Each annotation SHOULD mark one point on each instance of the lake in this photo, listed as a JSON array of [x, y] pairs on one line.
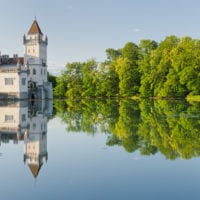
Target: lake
[[94, 149]]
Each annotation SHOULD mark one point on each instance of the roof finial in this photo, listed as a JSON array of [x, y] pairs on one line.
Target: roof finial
[[35, 18]]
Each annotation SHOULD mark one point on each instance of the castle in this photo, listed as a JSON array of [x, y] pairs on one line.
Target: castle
[[27, 121], [26, 77]]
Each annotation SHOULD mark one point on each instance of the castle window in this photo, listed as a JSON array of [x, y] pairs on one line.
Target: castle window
[[9, 118], [9, 81], [34, 71], [23, 81]]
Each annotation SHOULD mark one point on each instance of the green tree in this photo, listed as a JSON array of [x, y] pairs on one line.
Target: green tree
[[107, 81], [128, 71], [61, 86], [146, 50], [113, 54], [161, 59], [89, 71], [74, 79], [130, 51], [186, 59]]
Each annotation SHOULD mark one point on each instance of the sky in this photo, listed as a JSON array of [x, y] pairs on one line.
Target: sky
[[79, 30]]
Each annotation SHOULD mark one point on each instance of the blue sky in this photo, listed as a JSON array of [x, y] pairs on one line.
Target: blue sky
[[82, 29]]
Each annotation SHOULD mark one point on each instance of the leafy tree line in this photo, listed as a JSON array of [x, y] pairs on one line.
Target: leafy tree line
[[169, 127], [170, 68]]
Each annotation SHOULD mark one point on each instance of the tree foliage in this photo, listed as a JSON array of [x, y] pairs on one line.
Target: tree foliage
[[170, 68]]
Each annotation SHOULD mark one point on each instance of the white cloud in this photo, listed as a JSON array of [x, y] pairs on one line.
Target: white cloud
[[136, 30]]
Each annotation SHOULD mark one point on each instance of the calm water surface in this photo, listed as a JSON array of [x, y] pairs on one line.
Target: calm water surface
[[100, 150]]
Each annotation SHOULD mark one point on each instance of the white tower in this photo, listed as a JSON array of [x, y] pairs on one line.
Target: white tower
[[35, 143], [35, 55]]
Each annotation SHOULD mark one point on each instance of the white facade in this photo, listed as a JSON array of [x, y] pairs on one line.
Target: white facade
[[27, 122], [13, 118], [12, 80], [27, 79]]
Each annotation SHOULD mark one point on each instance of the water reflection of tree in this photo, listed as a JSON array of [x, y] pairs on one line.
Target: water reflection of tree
[[126, 127], [170, 127], [88, 115]]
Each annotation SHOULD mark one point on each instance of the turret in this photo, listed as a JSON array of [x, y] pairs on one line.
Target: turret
[[35, 46], [35, 53]]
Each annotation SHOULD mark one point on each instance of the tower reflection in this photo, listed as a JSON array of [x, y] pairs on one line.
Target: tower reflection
[[27, 121]]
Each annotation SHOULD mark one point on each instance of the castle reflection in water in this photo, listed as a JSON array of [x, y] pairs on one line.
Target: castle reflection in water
[[27, 121]]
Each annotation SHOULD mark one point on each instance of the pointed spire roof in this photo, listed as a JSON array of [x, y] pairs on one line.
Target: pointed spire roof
[[35, 29], [35, 169]]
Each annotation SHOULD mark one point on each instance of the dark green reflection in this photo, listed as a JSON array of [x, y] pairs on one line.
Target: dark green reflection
[[150, 126]]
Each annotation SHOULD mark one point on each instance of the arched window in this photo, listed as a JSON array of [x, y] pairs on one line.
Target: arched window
[[34, 71]]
